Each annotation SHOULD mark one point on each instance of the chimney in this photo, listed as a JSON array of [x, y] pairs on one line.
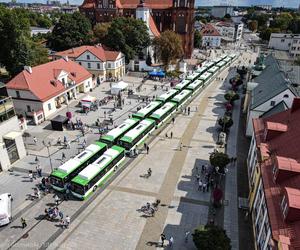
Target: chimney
[[66, 58], [28, 69]]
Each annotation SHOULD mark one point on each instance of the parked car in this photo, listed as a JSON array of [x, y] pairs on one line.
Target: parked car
[[5, 208]]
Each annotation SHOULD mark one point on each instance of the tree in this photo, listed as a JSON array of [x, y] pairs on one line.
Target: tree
[[128, 35], [265, 34], [227, 16], [226, 122], [253, 25], [211, 237], [231, 96], [197, 39], [101, 31], [219, 159], [169, 47], [71, 31]]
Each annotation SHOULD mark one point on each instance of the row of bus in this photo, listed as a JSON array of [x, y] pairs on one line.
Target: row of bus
[[89, 169]]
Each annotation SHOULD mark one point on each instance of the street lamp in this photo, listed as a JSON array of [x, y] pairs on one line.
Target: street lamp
[[48, 146]]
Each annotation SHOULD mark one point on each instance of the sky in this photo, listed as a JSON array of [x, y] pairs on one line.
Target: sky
[[275, 3]]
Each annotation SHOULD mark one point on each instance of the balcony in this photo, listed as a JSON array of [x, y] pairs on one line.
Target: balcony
[[7, 110]]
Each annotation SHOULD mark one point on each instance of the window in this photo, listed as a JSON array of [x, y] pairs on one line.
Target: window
[[286, 96], [79, 63], [18, 94], [28, 108], [282, 40], [49, 106], [89, 65], [98, 65], [272, 103], [109, 65], [63, 80], [88, 57]]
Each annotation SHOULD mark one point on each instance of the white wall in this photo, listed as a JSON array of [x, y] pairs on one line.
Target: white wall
[[93, 61], [279, 43], [214, 41]]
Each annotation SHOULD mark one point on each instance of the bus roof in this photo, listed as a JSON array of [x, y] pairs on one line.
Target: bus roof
[[223, 57], [227, 59], [193, 76], [208, 64], [181, 95], [133, 133], [205, 75], [213, 69], [201, 70], [182, 84], [167, 106], [88, 152], [66, 168], [195, 84], [167, 95], [232, 56], [216, 60], [221, 64], [116, 132], [145, 111]]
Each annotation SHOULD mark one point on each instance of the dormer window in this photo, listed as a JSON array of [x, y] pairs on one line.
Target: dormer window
[[88, 57], [283, 206]]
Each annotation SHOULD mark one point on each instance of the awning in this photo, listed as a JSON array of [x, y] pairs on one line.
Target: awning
[[12, 135], [88, 98], [157, 73]]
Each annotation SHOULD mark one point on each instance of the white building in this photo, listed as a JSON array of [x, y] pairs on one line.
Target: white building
[[230, 31], [11, 142], [286, 42], [211, 38], [221, 11], [264, 6], [38, 30], [38, 92]]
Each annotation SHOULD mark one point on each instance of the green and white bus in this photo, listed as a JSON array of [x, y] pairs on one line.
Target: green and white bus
[[223, 57], [164, 113], [95, 174], [201, 70], [232, 56], [182, 84], [221, 64], [137, 135], [217, 60], [208, 64], [145, 112], [112, 136], [193, 76], [213, 70], [167, 96], [227, 60], [181, 98], [64, 174], [205, 77], [195, 86]]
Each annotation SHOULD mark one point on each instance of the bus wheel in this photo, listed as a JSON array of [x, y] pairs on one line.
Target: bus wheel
[[94, 188]]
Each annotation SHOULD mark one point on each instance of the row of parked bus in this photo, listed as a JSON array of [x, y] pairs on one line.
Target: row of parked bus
[[90, 169]]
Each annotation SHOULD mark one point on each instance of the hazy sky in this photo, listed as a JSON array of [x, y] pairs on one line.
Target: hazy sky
[[276, 3]]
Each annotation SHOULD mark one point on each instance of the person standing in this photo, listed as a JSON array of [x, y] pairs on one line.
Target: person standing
[[63, 156], [56, 199], [23, 222], [171, 241], [173, 120], [68, 221], [171, 135], [180, 146], [162, 238], [35, 140], [200, 184], [189, 110], [145, 146], [30, 175], [186, 236], [147, 149], [39, 170]]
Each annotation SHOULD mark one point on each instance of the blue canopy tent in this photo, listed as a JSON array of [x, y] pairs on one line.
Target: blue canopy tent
[[157, 73]]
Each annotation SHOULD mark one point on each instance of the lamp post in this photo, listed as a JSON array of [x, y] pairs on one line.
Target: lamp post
[[49, 156]]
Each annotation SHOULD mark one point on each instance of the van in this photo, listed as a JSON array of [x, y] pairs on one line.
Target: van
[[5, 208]]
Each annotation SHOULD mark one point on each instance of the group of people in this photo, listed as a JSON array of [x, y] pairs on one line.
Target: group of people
[[149, 208], [204, 180], [54, 212], [171, 239]]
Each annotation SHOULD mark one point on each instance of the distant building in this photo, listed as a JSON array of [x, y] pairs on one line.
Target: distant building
[[285, 42], [221, 11], [264, 6], [38, 30], [102, 63], [230, 31], [211, 38], [38, 92], [11, 141]]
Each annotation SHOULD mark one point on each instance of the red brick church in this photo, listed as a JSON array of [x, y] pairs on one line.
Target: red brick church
[[176, 15]]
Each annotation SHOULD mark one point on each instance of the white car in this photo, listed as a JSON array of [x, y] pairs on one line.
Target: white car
[[5, 208]]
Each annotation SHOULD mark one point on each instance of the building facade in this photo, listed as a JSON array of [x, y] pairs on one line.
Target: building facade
[[221, 11], [230, 31], [101, 63], [175, 15], [11, 140], [211, 38], [38, 92], [285, 42]]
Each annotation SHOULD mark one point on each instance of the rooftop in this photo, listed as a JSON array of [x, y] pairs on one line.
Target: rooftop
[[132, 4], [209, 30]]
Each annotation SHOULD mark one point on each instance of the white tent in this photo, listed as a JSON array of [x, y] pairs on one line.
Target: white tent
[[117, 87], [87, 100]]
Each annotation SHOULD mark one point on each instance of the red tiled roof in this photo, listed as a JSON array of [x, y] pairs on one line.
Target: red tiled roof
[[226, 24], [88, 4], [153, 27], [293, 196], [284, 145], [43, 83], [209, 30], [132, 4], [97, 50]]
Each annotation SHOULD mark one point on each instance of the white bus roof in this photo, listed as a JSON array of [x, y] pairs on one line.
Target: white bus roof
[[138, 129], [232, 55], [216, 60], [181, 95], [227, 59], [213, 69], [68, 166], [167, 95], [201, 70], [182, 84], [192, 76], [121, 128], [89, 151], [89, 172], [205, 76], [220, 64], [224, 56], [208, 64], [148, 108], [167, 106], [195, 84]]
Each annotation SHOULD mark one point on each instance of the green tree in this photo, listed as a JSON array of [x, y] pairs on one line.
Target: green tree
[[231, 96], [169, 47], [225, 122], [253, 25], [197, 39], [71, 31], [128, 35], [211, 237], [101, 31], [265, 34], [219, 159], [44, 22]]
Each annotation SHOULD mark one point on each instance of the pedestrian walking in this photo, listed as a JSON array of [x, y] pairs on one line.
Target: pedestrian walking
[[63, 156], [198, 178], [61, 215], [56, 199], [39, 170], [204, 187], [173, 120], [189, 110], [162, 238], [65, 139], [147, 149], [23, 222], [84, 143], [145, 146], [171, 241], [200, 184], [35, 140], [171, 135], [30, 175], [186, 236], [68, 221], [166, 135], [180, 146]]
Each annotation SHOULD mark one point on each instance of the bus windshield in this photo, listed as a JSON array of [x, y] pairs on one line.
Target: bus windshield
[[125, 145], [58, 182], [76, 188]]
